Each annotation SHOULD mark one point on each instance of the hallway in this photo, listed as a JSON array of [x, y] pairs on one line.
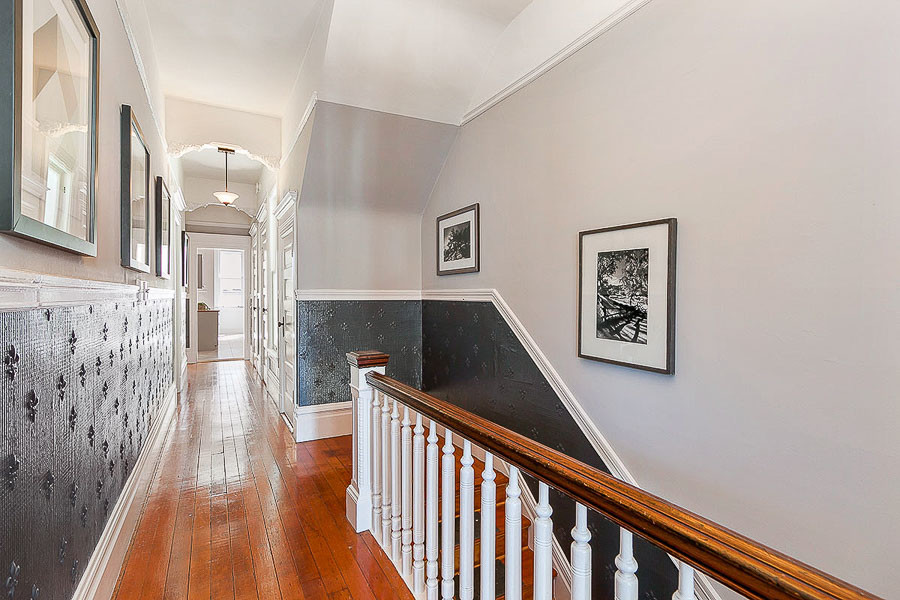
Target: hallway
[[237, 510]]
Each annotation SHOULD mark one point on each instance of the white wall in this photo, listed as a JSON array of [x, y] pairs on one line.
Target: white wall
[[193, 124], [120, 84], [366, 178], [771, 131]]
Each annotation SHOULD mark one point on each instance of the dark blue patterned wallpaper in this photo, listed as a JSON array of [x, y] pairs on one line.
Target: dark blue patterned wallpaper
[[328, 329], [79, 389], [472, 358]]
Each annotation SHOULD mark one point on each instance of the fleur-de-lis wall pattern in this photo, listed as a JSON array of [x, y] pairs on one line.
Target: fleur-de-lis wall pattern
[[68, 378]]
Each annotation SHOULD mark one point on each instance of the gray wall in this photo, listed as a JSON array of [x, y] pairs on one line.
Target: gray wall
[[770, 130], [119, 84]]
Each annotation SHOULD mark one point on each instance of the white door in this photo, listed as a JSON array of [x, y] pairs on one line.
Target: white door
[[254, 300], [286, 307]]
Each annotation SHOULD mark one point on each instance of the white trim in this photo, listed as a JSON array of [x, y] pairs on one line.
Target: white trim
[[139, 62], [106, 561], [25, 290], [589, 36], [704, 589], [358, 295], [300, 127], [289, 198], [322, 421]]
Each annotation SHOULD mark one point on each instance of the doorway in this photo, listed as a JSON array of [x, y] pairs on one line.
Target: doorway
[[221, 311]]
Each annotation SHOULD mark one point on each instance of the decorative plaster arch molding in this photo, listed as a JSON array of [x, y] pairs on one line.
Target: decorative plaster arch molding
[[178, 149], [193, 207]]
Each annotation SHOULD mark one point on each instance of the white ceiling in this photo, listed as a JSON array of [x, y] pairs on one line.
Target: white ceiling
[[209, 163], [231, 53], [247, 55]]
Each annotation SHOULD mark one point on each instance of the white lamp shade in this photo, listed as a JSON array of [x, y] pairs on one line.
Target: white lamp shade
[[226, 198]]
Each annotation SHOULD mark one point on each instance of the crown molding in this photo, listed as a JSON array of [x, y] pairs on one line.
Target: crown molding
[[583, 40]]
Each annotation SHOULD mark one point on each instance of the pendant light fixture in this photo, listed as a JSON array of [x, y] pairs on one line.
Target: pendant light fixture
[[227, 198]]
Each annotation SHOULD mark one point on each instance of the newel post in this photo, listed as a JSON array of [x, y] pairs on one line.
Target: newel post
[[359, 492]]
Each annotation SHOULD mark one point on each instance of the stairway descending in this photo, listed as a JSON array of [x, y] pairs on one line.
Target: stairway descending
[[500, 541]]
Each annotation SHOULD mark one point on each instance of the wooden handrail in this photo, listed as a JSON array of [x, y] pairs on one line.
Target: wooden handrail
[[736, 561]]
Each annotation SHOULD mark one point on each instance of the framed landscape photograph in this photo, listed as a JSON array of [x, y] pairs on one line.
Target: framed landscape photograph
[[135, 194], [626, 295], [163, 230], [49, 75], [458, 242]]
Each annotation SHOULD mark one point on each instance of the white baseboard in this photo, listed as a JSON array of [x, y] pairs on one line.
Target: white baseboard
[[102, 571], [322, 421]]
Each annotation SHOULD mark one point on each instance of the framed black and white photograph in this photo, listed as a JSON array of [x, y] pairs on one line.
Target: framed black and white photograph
[[626, 295], [48, 117], [135, 194], [163, 230], [458, 242]]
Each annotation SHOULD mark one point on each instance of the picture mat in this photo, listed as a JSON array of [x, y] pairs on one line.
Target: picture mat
[[656, 238], [462, 263]]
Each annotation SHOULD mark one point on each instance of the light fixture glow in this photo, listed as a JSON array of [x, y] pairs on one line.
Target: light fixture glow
[[225, 197]]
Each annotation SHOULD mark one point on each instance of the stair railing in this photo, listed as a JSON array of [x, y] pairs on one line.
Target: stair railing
[[394, 494]]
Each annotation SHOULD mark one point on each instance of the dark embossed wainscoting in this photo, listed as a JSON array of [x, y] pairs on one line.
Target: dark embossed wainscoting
[[328, 329], [471, 357], [80, 388]]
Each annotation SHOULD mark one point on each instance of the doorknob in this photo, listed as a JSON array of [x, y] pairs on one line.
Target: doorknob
[[281, 323]]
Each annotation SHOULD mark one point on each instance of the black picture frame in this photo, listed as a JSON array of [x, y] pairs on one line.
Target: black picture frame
[[12, 220], [131, 126], [667, 284], [474, 241], [163, 229]]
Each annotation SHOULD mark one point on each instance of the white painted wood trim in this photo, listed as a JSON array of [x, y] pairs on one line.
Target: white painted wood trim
[[589, 36], [322, 421], [358, 295], [102, 571], [26, 290]]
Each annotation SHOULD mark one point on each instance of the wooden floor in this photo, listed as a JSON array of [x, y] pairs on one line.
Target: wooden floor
[[238, 510]]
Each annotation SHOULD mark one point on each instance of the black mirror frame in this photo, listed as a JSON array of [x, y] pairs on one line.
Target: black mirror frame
[[11, 218], [163, 207], [129, 121]]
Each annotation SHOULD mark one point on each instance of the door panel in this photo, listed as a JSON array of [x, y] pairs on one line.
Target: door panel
[[286, 307]]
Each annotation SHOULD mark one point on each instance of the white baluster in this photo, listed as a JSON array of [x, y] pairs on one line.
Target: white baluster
[[376, 465], [386, 500], [431, 515], [581, 556], [406, 505], [543, 546], [513, 534], [488, 527], [448, 517], [685, 589], [467, 524], [418, 507], [626, 580], [396, 491], [359, 492]]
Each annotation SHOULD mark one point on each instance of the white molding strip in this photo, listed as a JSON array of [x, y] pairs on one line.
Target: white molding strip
[[300, 127], [704, 589], [322, 421], [589, 36], [26, 290], [106, 561], [358, 295]]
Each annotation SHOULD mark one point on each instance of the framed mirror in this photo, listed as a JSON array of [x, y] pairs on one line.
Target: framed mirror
[[135, 194], [49, 65], [185, 258], [163, 230]]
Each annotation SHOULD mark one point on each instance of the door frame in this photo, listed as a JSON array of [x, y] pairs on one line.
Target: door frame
[[285, 217], [218, 241]]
